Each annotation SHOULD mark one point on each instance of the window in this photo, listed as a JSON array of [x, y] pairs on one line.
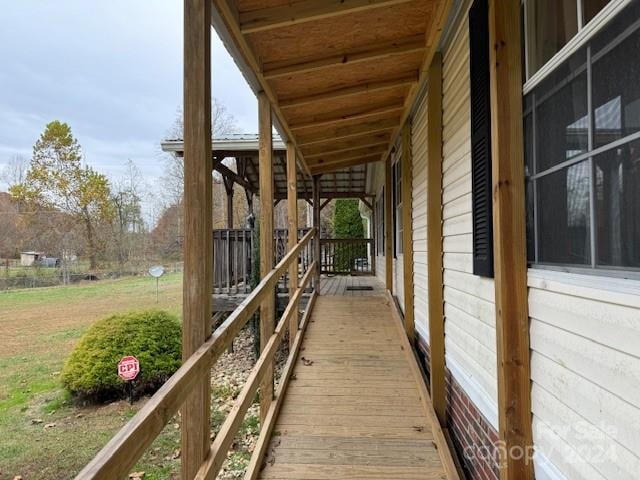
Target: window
[[582, 152], [380, 223], [550, 24], [397, 207]]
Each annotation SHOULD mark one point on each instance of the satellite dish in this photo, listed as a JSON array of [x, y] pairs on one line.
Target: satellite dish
[[156, 271]]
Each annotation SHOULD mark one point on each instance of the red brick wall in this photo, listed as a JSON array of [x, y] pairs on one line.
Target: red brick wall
[[474, 438]]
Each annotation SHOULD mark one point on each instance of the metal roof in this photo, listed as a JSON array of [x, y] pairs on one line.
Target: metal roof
[[347, 182]]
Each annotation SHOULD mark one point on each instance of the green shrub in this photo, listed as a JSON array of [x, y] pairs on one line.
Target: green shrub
[[347, 223], [153, 337]]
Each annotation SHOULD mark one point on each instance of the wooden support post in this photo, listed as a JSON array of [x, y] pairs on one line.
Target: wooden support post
[[267, 308], [292, 212], [316, 225], [374, 230], [510, 262], [407, 236], [198, 226], [434, 239], [388, 230], [228, 187]]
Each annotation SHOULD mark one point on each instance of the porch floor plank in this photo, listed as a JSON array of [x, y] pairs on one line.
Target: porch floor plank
[[353, 408]]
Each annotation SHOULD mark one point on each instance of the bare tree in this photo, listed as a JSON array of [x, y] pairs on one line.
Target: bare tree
[[128, 228], [222, 123], [15, 171]]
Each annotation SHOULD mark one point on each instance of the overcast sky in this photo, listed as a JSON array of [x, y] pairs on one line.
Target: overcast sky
[[111, 69]]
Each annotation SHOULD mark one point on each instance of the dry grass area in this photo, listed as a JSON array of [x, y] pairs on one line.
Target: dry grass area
[[44, 435]]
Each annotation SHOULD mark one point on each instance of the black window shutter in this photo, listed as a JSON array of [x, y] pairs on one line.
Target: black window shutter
[[481, 139]]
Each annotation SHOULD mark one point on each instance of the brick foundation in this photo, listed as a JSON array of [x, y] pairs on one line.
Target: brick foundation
[[473, 437]]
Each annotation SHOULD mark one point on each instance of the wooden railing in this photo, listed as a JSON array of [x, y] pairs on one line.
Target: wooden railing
[[346, 256], [117, 458], [233, 260]]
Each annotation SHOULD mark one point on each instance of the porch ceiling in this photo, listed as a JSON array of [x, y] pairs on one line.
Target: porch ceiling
[[341, 74]]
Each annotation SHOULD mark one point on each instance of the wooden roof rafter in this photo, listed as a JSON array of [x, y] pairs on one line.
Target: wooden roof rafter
[[305, 11], [359, 89], [362, 129], [330, 167], [411, 44], [323, 121]]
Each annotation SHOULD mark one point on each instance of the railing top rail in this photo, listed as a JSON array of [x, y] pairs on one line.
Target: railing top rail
[[346, 240], [117, 458]]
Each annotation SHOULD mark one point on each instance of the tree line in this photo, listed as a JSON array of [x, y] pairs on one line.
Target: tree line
[[58, 204]]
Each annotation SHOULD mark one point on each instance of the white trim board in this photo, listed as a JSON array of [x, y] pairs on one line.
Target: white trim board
[[544, 469], [482, 401], [579, 39], [422, 333]]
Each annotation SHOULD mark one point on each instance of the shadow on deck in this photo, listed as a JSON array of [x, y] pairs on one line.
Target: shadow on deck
[[356, 405]]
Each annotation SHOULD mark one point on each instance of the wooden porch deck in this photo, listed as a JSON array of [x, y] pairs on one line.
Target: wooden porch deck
[[354, 286], [356, 406]]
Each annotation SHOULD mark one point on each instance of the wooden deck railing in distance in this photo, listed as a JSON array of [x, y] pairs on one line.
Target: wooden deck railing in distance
[[117, 458], [346, 256], [233, 252]]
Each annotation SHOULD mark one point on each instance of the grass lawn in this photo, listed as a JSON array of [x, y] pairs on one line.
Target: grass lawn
[[43, 435]]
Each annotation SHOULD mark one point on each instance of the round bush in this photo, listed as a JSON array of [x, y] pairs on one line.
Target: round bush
[[153, 337]]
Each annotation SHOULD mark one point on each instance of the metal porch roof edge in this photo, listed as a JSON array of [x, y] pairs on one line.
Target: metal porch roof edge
[[240, 142]]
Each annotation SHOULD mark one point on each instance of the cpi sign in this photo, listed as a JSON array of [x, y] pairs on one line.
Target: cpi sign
[[128, 368]]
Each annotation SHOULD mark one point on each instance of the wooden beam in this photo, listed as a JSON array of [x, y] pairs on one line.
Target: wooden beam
[[370, 53], [407, 233], [198, 227], [325, 203], [339, 165], [363, 88], [292, 213], [434, 32], [374, 247], [509, 233], [243, 182], [368, 204], [344, 157], [316, 225], [226, 14], [435, 282], [267, 307], [320, 151], [363, 129], [325, 121], [388, 227], [305, 11]]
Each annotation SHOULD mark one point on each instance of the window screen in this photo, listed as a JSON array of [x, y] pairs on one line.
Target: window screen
[[582, 153]]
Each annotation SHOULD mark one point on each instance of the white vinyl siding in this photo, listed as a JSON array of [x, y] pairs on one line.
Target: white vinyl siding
[[470, 337], [585, 369], [419, 215]]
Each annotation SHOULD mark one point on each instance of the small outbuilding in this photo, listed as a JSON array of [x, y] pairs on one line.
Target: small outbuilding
[[29, 259]]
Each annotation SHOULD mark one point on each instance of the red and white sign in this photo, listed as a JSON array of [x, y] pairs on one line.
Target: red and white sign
[[128, 368]]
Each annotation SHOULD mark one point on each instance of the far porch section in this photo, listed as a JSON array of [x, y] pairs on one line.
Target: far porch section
[[235, 162]]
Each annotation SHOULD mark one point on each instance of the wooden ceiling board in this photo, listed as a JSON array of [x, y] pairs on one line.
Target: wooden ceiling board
[[345, 105], [342, 77], [249, 5], [346, 145], [335, 157], [342, 33]]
